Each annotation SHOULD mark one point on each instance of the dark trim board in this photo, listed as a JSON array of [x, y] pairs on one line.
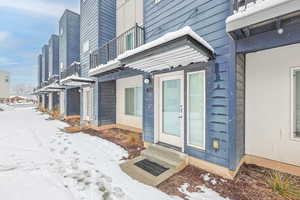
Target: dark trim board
[[268, 40]]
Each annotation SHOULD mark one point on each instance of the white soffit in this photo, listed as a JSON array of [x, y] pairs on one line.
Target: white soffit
[[76, 81], [182, 55], [105, 67]]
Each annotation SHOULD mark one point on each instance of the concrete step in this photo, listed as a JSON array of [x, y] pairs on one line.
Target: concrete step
[[170, 156]]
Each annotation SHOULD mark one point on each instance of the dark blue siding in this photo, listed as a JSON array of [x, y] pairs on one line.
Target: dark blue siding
[[73, 101], [54, 55], [207, 18], [69, 38], [107, 101], [45, 63], [98, 26], [40, 69]]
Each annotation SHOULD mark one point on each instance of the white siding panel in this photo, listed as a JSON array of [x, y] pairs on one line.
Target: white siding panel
[[268, 104], [133, 121]]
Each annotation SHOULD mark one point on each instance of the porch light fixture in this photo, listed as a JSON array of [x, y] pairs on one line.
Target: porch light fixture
[[280, 30], [216, 144], [146, 81]]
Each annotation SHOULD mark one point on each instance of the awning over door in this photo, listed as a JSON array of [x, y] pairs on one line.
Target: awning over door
[[76, 81], [179, 48], [54, 87]]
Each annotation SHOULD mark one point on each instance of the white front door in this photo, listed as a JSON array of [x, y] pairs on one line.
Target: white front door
[[170, 108]]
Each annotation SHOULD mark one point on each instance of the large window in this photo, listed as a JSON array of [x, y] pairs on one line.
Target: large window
[[86, 46], [133, 101], [296, 102], [196, 109]]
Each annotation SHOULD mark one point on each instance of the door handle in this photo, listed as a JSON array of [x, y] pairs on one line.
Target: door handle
[[180, 111]]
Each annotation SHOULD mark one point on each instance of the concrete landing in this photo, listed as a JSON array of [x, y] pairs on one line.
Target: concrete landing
[[173, 160]]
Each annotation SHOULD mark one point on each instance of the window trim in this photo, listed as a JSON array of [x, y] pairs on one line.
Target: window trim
[[135, 113], [292, 95], [203, 148]]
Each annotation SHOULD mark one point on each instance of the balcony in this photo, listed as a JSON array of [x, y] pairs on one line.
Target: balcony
[[253, 13], [73, 70], [129, 40]]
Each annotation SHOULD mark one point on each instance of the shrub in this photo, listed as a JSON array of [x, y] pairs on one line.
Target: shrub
[[283, 185]]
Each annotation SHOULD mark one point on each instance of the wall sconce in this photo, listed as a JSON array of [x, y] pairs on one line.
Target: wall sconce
[[216, 144], [147, 81]]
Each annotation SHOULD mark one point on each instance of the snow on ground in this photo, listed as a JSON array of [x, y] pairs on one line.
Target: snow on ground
[[38, 161], [203, 194]]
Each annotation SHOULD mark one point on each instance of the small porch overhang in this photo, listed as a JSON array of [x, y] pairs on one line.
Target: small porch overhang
[[179, 48], [111, 65], [76, 81], [261, 12], [54, 87]]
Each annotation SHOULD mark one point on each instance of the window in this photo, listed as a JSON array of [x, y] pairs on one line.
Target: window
[[296, 103], [86, 46], [61, 31], [156, 1], [129, 41], [196, 109], [133, 101], [6, 79]]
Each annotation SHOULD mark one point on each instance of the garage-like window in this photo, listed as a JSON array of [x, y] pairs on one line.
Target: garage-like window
[[133, 101], [296, 102]]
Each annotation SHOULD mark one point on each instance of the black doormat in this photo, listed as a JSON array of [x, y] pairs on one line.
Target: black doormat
[[151, 167]]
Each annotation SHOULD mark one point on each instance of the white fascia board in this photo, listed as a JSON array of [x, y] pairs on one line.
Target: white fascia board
[[260, 12]]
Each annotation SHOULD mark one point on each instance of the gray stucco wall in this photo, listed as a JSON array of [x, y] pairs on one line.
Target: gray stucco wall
[[206, 18], [53, 55]]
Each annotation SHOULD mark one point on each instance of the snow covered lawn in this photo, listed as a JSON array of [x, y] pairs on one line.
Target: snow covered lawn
[[38, 161]]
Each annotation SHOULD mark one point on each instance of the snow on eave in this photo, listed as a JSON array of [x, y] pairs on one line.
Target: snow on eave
[[166, 38], [73, 77], [255, 8], [105, 67]]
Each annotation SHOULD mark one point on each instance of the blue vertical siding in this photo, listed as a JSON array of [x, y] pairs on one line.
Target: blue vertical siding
[[98, 26], [73, 101], [69, 38], [207, 18], [40, 69], [45, 63], [54, 55]]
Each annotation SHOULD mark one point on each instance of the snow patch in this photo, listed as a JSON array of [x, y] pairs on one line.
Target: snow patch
[[203, 193]]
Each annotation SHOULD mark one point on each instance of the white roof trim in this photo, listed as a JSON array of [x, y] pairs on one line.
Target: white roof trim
[[75, 81], [166, 38], [113, 64], [261, 11]]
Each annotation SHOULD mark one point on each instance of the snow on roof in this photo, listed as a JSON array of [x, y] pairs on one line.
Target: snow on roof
[[253, 8], [166, 38], [105, 67], [73, 77]]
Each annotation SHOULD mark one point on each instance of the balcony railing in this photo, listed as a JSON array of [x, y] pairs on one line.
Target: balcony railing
[[243, 4], [53, 79], [73, 69], [129, 40]]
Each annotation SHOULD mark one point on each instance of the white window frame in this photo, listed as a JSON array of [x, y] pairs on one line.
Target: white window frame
[[135, 89], [86, 92], [292, 135], [188, 108]]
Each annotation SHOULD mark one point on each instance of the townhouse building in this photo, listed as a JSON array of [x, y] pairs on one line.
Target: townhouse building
[[201, 79], [69, 61], [45, 74], [266, 38], [53, 71]]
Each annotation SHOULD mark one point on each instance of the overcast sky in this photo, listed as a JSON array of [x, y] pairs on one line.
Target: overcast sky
[[25, 25]]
